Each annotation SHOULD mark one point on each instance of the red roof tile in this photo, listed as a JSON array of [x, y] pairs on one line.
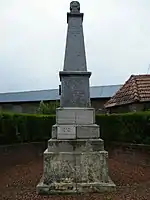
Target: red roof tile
[[135, 89]]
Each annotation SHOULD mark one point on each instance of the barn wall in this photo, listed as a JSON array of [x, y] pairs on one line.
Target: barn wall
[[31, 107], [98, 104], [134, 107]]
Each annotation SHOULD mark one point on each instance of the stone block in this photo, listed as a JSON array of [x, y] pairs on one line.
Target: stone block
[[66, 132], [78, 145], [58, 166], [73, 188], [88, 131], [90, 166], [75, 116], [69, 172], [77, 93], [75, 131], [54, 131], [55, 145]]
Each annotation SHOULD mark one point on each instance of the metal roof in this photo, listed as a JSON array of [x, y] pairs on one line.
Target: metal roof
[[105, 91], [53, 94]]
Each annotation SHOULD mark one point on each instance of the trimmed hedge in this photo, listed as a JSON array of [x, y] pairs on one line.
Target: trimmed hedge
[[16, 128], [129, 127]]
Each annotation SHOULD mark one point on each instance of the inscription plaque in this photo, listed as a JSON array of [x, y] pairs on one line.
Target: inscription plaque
[[66, 132]]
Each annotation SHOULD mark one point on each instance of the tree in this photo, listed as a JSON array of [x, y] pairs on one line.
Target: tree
[[47, 108]]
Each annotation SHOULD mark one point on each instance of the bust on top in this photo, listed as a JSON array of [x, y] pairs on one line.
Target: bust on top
[[75, 7]]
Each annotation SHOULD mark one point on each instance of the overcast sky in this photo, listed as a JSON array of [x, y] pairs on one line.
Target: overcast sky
[[33, 37]]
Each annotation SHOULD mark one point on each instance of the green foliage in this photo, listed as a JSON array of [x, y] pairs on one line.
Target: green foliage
[[48, 108], [129, 127], [16, 128]]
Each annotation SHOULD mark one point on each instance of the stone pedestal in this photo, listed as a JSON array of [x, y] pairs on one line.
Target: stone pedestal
[[75, 172], [75, 160]]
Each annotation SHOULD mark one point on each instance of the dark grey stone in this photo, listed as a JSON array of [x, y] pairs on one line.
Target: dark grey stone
[[75, 91], [75, 58], [75, 78]]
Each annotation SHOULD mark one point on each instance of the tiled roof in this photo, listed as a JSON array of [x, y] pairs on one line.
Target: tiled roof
[[135, 89], [105, 91]]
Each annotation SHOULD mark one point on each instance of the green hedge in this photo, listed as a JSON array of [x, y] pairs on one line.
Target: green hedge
[[130, 127], [16, 128]]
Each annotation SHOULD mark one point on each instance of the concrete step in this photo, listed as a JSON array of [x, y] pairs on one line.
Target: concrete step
[[77, 145]]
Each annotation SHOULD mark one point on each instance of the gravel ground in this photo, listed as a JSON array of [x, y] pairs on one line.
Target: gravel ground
[[130, 170]]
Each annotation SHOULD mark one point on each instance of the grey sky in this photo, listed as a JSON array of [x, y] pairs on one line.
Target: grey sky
[[33, 34]]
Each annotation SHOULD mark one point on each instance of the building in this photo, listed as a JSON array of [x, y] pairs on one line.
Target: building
[[134, 95], [28, 101]]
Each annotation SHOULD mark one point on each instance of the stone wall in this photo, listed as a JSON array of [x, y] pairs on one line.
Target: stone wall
[[119, 109], [134, 107], [31, 107], [98, 104]]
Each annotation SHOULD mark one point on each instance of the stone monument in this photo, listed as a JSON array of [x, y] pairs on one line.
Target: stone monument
[[75, 160]]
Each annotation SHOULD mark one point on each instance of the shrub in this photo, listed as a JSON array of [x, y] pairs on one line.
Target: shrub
[[16, 128], [128, 127], [47, 108]]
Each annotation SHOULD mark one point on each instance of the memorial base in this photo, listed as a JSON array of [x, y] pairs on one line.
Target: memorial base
[[75, 172], [73, 188], [75, 160]]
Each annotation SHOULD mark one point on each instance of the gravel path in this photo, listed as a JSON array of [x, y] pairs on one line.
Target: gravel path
[[129, 170]]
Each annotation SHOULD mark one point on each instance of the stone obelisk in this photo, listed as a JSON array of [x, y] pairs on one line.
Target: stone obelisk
[[75, 160], [74, 77]]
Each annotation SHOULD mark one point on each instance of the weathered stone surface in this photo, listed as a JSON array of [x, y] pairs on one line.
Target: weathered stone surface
[[75, 115], [75, 172], [54, 131], [78, 145], [66, 132], [75, 91], [75, 48], [88, 131], [82, 166], [74, 77], [69, 188], [58, 167], [81, 131]]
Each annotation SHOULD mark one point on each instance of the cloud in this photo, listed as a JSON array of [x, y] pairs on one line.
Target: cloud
[[33, 34]]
